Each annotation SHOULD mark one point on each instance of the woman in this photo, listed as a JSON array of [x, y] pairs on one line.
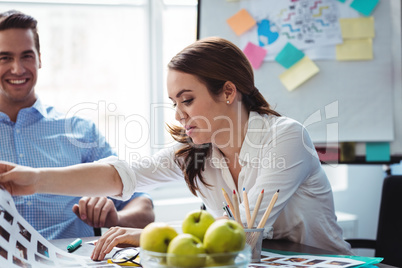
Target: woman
[[230, 139]]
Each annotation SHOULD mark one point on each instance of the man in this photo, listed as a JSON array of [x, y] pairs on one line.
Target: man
[[36, 135]]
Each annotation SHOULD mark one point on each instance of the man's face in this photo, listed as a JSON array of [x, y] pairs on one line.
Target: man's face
[[19, 64]]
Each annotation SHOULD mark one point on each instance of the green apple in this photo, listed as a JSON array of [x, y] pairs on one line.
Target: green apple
[[184, 250], [156, 236], [224, 236], [197, 222]]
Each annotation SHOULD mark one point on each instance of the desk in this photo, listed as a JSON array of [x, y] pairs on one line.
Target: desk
[[86, 249], [285, 245]]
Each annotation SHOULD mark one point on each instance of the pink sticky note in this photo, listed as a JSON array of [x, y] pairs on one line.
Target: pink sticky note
[[255, 54]]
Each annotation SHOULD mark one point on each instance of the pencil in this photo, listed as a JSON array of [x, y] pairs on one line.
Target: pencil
[[247, 207], [256, 208], [236, 207], [227, 198], [268, 211]]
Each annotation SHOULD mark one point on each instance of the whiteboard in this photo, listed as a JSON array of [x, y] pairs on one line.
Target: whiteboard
[[347, 101]]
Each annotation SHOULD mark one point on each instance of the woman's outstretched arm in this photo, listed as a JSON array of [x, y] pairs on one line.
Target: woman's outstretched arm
[[90, 179]]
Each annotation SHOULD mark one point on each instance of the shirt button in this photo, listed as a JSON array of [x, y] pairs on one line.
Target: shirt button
[[21, 155], [18, 131], [29, 203]]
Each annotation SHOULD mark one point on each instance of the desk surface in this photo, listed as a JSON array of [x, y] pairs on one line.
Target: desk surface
[[86, 249]]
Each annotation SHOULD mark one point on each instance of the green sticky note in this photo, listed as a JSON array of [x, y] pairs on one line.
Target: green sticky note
[[364, 6], [378, 151], [289, 55]]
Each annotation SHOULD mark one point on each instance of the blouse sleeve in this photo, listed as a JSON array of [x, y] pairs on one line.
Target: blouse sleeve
[[147, 173], [126, 175]]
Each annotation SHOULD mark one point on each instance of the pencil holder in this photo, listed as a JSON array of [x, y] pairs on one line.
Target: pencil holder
[[254, 240]]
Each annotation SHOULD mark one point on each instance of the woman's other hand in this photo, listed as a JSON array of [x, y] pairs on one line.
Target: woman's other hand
[[115, 236]]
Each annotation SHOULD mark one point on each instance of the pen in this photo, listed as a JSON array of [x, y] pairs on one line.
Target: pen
[[227, 210], [74, 245], [229, 202]]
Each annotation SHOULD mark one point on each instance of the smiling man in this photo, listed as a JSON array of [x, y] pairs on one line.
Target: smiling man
[[36, 135]]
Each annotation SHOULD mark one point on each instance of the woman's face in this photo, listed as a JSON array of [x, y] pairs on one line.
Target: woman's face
[[203, 117]]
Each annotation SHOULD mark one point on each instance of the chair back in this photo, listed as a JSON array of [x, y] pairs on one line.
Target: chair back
[[389, 232]]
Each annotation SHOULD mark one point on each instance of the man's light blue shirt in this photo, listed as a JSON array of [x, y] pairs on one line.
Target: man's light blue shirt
[[43, 137]]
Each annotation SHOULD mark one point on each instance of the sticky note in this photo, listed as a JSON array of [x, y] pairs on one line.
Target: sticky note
[[241, 22], [300, 72], [289, 55], [364, 6], [348, 151], [342, 1], [255, 54], [352, 28], [378, 151], [355, 49]]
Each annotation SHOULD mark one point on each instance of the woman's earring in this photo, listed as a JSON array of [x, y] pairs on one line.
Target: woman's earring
[[227, 102]]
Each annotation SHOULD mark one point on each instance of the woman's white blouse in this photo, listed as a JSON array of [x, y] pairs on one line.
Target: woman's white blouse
[[277, 153]]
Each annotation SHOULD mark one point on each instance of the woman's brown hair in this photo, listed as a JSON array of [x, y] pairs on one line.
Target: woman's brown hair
[[214, 61]]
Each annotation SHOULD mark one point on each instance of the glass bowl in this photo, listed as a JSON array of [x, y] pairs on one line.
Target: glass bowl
[[150, 259]]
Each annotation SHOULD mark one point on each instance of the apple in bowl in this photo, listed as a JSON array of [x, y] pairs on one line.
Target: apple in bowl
[[186, 250], [197, 222]]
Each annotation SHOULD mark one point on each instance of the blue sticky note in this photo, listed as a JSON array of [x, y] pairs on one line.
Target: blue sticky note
[[364, 6], [342, 1], [378, 151], [289, 55]]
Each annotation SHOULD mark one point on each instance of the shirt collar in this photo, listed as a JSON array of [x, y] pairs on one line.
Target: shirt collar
[[37, 110], [257, 127], [38, 106]]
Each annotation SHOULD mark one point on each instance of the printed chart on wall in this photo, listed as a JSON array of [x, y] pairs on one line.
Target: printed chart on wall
[[312, 26]]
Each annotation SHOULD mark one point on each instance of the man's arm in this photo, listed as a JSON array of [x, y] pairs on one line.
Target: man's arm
[[138, 213]]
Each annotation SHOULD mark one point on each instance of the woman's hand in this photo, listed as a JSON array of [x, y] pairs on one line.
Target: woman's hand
[[18, 180], [113, 237]]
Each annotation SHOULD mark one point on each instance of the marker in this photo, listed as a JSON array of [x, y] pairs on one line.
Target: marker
[[74, 245]]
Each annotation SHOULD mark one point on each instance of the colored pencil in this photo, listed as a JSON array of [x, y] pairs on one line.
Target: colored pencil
[[227, 198], [268, 211], [236, 207], [256, 208], [247, 207]]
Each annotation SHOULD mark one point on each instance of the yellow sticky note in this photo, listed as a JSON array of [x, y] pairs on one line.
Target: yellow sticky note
[[353, 28], [241, 22], [355, 49], [300, 72]]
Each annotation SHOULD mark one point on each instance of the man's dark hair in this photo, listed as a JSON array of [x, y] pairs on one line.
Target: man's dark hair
[[14, 19]]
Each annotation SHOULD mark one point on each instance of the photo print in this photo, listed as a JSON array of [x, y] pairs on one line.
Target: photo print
[[24, 232], [21, 251], [7, 216]]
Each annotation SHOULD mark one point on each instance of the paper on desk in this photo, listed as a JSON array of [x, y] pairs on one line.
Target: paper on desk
[[270, 259], [22, 246]]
